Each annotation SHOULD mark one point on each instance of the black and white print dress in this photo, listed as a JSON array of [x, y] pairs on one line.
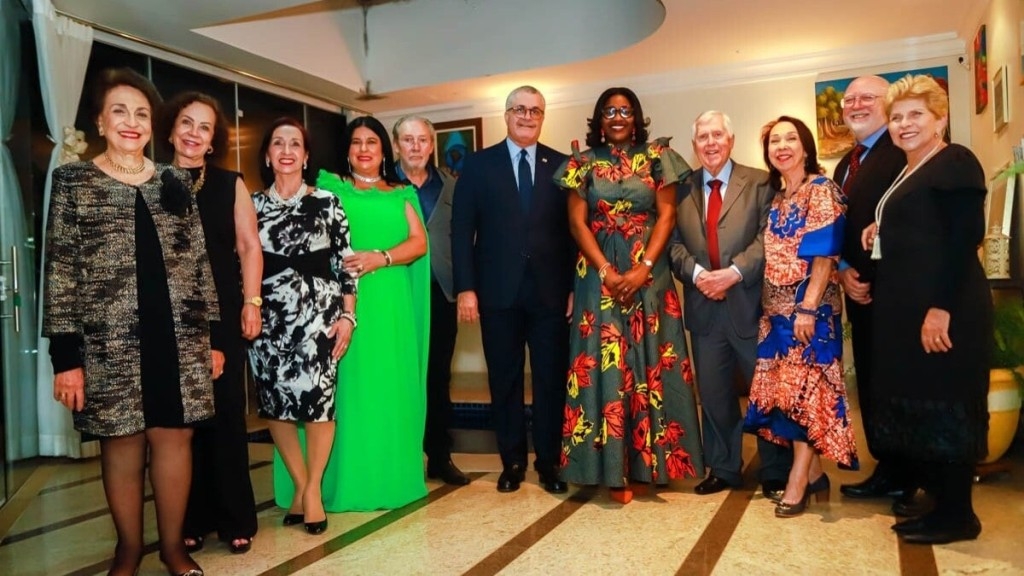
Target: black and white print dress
[[304, 241]]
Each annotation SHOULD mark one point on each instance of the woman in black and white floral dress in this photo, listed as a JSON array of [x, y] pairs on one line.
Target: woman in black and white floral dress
[[307, 310]]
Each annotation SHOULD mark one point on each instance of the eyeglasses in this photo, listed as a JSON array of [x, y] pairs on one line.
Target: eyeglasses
[[610, 111], [865, 99], [524, 112]]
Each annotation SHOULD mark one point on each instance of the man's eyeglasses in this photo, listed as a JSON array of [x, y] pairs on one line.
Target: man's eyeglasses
[[524, 112], [624, 111], [865, 99]]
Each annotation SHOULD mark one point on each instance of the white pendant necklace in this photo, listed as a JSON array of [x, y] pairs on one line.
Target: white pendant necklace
[[367, 180], [291, 201], [876, 249]]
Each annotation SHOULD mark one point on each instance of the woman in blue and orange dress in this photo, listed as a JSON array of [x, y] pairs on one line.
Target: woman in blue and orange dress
[[630, 414], [798, 395]]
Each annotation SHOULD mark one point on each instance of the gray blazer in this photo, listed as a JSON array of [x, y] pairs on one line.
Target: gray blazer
[[439, 233], [740, 242]]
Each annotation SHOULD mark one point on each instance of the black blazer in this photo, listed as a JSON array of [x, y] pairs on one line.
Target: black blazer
[[493, 242], [880, 167]]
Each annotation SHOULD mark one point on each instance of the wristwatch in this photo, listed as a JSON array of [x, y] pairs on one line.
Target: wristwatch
[[647, 263], [255, 301]]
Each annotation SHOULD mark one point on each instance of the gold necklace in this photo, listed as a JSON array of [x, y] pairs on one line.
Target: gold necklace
[[198, 184], [131, 171]]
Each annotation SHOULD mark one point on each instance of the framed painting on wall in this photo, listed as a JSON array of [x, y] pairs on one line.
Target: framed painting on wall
[[1000, 100], [454, 141], [980, 71], [834, 138]]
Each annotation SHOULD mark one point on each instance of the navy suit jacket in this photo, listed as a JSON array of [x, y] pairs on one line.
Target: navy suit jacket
[[494, 242]]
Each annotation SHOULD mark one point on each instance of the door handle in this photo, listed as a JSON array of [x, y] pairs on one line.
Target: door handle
[[15, 290]]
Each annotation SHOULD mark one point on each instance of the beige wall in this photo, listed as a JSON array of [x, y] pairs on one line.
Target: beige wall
[[749, 105]]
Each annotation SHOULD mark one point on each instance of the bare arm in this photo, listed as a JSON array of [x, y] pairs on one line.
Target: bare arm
[[250, 254]]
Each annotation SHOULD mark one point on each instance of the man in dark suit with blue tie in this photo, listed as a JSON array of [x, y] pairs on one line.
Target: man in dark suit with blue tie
[[512, 258]]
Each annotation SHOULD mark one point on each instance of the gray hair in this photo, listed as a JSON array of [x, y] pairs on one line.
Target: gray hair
[[522, 89], [706, 117], [413, 118]]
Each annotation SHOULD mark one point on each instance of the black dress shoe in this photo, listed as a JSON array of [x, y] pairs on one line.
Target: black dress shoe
[[448, 472], [510, 478], [773, 489], [550, 481], [944, 532], [876, 486], [711, 485], [910, 525]]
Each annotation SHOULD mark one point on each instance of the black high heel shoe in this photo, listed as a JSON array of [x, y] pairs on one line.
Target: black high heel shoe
[[316, 527], [821, 488], [292, 519], [195, 546], [242, 548]]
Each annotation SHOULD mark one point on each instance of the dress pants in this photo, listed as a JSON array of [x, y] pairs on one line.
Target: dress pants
[[506, 334], [221, 497], [444, 327], [717, 355], [861, 323]]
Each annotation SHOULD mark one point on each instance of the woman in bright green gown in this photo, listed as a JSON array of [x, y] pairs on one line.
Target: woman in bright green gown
[[377, 459]]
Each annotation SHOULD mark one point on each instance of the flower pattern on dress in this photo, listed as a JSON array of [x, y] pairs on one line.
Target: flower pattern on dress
[[798, 391], [630, 414]]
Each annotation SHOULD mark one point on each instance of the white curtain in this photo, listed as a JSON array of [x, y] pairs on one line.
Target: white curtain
[[62, 48], [16, 250]]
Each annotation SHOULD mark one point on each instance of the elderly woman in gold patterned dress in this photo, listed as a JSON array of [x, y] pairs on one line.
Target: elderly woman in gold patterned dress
[[128, 303]]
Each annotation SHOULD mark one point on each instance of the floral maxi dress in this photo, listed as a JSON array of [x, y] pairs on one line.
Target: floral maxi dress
[[630, 412]]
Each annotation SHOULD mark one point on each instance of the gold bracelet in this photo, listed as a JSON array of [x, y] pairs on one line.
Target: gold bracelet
[[386, 255]]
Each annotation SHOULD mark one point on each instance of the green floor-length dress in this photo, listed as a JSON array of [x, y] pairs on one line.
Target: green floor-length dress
[[377, 459]]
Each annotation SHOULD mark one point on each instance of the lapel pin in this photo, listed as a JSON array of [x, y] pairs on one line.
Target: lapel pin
[[544, 160]]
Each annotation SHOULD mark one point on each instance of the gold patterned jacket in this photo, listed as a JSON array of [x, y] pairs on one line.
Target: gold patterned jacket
[[90, 290]]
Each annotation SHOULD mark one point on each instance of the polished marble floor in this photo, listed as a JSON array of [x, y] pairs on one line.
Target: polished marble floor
[[58, 524]]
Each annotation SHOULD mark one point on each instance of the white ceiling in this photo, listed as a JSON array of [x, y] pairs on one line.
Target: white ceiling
[[449, 54]]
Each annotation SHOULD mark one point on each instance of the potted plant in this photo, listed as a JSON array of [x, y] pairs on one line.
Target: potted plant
[[1006, 380]]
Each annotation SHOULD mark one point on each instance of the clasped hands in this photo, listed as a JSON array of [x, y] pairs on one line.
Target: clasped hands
[[623, 287], [713, 284]]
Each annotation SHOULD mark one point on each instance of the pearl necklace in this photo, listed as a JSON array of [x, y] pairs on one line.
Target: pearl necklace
[[367, 180], [292, 200], [130, 170]]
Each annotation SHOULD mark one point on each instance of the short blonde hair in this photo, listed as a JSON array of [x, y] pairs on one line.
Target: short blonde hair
[[920, 86]]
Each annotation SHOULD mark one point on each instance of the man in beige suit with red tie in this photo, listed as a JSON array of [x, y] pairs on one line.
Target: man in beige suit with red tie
[[718, 255]]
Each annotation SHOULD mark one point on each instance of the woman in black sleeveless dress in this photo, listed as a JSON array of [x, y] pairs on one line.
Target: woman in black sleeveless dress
[[222, 498]]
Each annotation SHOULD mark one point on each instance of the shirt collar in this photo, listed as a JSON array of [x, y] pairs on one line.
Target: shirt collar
[[723, 175], [513, 150], [869, 142], [431, 175]]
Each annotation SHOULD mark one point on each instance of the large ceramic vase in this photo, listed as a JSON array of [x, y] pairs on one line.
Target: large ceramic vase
[[1004, 404]]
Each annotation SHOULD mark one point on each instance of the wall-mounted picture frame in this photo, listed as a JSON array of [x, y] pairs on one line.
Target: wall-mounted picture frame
[[834, 137], [999, 201], [1000, 100], [454, 141], [980, 71]]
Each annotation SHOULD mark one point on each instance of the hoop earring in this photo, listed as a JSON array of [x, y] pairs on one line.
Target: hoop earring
[[209, 150]]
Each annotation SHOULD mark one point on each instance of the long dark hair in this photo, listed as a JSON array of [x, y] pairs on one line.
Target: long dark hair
[[594, 136], [811, 165], [387, 164], [182, 100], [267, 172]]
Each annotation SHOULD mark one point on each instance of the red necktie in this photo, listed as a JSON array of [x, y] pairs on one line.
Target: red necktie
[[858, 151], [712, 212]]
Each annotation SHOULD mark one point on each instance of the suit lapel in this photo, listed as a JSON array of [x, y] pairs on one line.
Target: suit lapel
[[737, 185], [697, 193]]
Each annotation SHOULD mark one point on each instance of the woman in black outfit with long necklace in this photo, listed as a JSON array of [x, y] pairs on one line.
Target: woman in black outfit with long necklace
[[222, 496]]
